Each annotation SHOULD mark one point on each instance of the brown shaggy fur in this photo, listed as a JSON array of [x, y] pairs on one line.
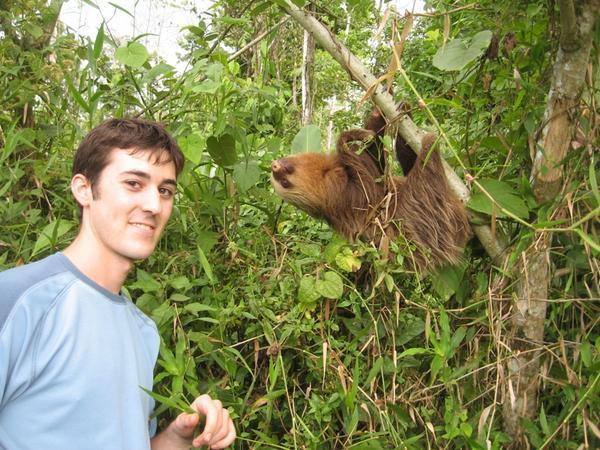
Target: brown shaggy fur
[[350, 191]]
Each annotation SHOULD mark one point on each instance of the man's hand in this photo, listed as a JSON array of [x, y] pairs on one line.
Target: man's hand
[[179, 435]]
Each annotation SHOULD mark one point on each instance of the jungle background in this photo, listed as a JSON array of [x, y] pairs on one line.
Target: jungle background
[[313, 342]]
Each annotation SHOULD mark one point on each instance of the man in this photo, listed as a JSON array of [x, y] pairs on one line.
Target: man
[[75, 353]]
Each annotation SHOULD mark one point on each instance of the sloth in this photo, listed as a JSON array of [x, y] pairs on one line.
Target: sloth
[[353, 192]]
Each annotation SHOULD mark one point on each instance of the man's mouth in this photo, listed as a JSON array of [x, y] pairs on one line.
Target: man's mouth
[[143, 226]]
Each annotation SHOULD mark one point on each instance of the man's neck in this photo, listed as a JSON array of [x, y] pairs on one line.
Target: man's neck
[[108, 270]]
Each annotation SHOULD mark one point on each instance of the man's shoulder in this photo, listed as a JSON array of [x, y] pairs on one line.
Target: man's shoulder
[[29, 279]]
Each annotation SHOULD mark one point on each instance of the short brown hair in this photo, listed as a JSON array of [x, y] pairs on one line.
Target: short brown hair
[[93, 154]]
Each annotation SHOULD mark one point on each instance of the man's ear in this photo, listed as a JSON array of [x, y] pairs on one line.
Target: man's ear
[[81, 189]]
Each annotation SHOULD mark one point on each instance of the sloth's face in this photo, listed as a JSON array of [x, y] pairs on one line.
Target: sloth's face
[[308, 180]]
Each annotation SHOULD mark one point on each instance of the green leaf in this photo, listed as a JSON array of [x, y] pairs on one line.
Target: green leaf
[[307, 294], [145, 282], [206, 265], [586, 354], [447, 280], [594, 181], [34, 30], [99, 41], [195, 308], [120, 8], [207, 87], [330, 286], [157, 71], [591, 242], [132, 55], [180, 282], [346, 260], [457, 338], [409, 330], [377, 365], [50, 235], [222, 149], [246, 175], [76, 95], [191, 146], [457, 53], [308, 139], [436, 364], [174, 402], [503, 194], [414, 351]]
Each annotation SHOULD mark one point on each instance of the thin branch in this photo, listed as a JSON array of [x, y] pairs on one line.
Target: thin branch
[[258, 38]]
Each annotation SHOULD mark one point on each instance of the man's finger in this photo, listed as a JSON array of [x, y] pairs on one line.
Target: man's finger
[[211, 410], [226, 441]]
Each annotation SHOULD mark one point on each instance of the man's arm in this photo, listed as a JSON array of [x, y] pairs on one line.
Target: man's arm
[[218, 432]]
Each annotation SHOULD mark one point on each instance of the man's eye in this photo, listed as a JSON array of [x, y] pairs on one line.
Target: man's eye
[[133, 183], [167, 193]]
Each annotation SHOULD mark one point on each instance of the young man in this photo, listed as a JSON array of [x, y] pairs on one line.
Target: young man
[[74, 352]]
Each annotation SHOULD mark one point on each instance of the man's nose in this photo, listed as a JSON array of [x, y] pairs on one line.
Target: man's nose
[[152, 201]]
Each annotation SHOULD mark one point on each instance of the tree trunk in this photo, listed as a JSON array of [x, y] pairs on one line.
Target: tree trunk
[[526, 328]]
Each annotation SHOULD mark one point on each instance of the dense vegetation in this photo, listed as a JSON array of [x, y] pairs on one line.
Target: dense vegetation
[[262, 306]]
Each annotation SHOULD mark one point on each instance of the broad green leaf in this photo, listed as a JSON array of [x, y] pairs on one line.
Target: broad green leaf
[[157, 71], [207, 240], [346, 261], [330, 286], [50, 235], [458, 52], [132, 55], [447, 280], [503, 194], [145, 282], [411, 329], [308, 139], [222, 149], [207, 87], [176, 297], [333, 248], [180, 282], [34, 30], [246, 175], [307, 294], [191, 146]]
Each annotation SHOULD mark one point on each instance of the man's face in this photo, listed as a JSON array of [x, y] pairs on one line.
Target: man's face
[[133, 201]]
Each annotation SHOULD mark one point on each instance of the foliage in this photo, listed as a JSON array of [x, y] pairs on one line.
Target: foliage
[[313, 342]]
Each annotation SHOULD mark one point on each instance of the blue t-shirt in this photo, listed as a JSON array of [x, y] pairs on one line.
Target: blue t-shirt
[[73, 360]]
